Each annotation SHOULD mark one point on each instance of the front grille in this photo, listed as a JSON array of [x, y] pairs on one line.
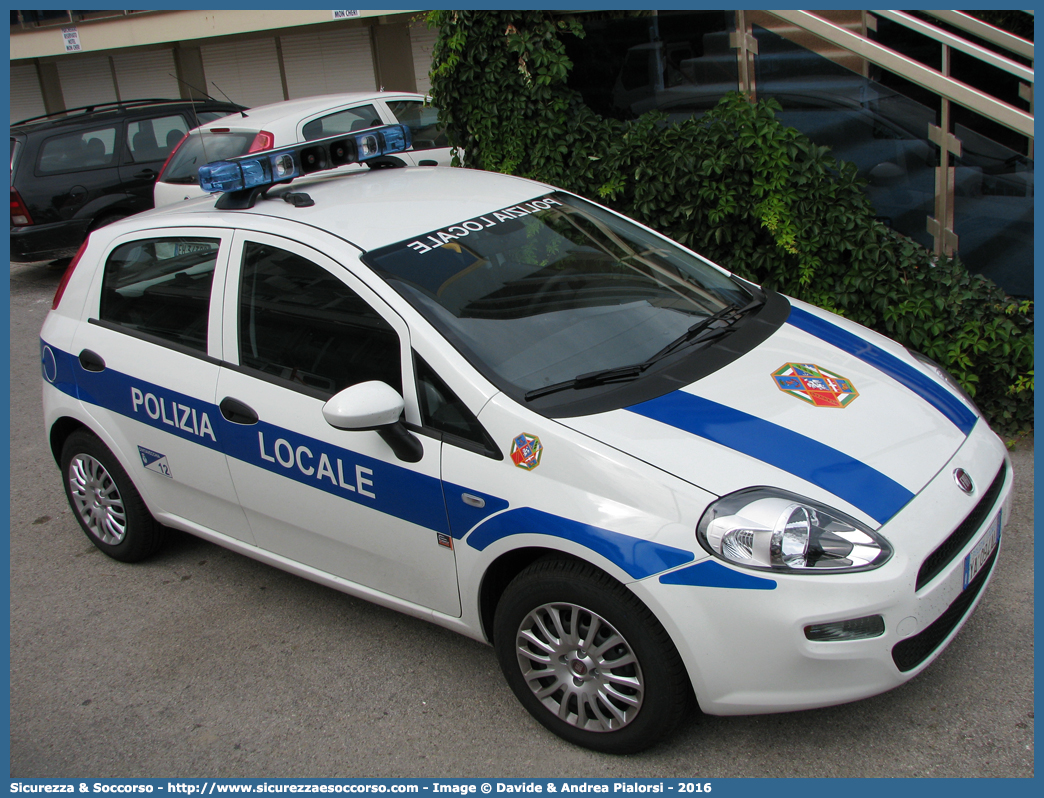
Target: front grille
[[911, 652], [942, 556]]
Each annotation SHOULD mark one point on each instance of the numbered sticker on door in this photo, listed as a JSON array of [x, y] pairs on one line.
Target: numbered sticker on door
[[154, 461]]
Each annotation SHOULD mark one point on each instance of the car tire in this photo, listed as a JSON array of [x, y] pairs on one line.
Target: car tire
[[619, 698], [105, 502]]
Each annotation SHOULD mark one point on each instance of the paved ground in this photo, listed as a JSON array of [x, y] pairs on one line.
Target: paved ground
[[205, 663]]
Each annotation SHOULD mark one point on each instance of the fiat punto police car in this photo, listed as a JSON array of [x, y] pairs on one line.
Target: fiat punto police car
[[495, 405]]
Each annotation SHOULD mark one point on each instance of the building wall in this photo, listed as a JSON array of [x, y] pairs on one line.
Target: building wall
[[237, 54]]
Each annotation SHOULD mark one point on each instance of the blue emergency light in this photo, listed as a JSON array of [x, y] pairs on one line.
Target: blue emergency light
[[260, 170]]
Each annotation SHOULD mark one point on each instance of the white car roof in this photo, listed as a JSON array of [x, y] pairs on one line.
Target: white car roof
[[375, 207], [302, 107]]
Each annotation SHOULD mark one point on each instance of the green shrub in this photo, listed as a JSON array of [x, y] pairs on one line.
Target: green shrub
[[736, 185]]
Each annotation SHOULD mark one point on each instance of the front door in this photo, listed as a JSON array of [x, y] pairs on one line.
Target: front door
[[299, 328]]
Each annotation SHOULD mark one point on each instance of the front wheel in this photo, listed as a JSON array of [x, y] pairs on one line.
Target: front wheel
[[105, 502], [588, 659]]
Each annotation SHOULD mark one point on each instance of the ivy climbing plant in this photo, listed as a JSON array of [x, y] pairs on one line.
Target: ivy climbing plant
[[736, 185]]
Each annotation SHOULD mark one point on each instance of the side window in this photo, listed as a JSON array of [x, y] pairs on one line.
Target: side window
[[75, 152], [299, 323], [347, 121], [153, 139], [443, 411], [423, 122], [161, 286]]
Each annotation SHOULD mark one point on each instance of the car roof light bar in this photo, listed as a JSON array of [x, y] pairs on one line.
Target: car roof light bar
[[242, 180]]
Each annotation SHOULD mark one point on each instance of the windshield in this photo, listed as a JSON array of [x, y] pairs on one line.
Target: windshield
[[555, 288], [199, 150]]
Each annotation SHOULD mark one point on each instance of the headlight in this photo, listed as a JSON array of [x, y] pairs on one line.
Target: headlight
[[771, 529], [946, 377]]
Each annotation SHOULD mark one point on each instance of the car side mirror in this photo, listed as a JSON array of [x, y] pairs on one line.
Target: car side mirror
[[374, 406], [368, 405]]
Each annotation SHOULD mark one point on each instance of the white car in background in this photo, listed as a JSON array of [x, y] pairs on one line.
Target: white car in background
[[305, 119]]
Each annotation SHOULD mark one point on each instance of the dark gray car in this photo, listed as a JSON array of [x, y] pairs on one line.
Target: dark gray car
[[86, 167]]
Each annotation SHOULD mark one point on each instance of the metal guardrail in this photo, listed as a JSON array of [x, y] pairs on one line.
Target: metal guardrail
[[977, 27], [957, 43], [931, 79], [846, 35]]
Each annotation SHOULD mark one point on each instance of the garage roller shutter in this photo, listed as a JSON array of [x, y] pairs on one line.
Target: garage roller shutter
[[329, 62], [26, 98], [247, 71], [86, 80], [146, 74]]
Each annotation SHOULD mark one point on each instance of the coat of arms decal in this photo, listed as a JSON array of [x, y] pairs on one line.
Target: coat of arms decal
[[526, 450], [817, 386]]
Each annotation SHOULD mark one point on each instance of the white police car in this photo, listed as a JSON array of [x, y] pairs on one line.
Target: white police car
[[492, 404]]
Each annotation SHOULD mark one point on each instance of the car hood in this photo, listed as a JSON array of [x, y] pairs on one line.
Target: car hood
[[823, 408]]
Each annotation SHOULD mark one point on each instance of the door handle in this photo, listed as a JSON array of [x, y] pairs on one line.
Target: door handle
[[237, 412], [91, 361], [146, 174]]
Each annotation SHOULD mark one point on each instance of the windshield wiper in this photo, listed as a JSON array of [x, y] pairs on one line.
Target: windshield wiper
[[700, 332], [707, 329], [591, 379]]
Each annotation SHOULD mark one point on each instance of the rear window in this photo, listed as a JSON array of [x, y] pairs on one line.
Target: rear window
[[199, 150], [75, 152], [347, 121], [161, 287], [153, 139], [423, 121]]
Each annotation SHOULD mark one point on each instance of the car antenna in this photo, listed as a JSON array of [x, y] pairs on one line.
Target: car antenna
[[226, 96], [192, 98], [194, 88]]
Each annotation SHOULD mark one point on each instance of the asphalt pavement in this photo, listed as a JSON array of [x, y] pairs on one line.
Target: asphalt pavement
[[204, 663]]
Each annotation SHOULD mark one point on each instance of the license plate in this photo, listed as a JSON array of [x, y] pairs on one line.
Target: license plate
[[978, 556]]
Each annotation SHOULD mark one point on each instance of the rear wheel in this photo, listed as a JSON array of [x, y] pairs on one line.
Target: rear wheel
[[105, 502], [588, 659]]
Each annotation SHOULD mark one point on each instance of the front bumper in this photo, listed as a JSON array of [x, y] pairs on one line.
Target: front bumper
[[746, 649]]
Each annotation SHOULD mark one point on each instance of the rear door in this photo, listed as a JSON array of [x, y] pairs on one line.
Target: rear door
[[73, 174], [148, 143], [149, 357]]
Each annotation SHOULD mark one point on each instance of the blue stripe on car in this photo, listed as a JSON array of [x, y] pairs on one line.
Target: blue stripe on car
[[309, 461], [639, 558], [875, 494], [711, 573], [398, 492], [928, 389]]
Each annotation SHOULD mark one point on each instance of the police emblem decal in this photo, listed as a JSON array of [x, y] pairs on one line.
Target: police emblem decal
[[526, 450], [817, 386]]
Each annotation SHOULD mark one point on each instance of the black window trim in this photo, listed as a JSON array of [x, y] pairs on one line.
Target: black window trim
[[490, 449], [279, 382]]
